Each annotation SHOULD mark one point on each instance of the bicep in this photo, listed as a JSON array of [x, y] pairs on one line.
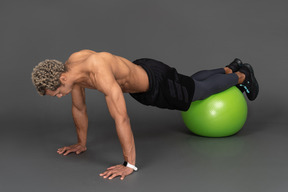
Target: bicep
[[78, 97], [113, 94], [116, 102], [107, 84]]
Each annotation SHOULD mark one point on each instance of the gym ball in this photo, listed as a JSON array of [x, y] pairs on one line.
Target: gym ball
[[220, 115]]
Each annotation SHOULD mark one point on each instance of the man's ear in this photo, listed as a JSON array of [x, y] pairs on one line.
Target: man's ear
[[63, 78]]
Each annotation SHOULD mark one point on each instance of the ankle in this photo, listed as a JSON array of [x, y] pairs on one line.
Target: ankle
[[241, 77], [228, 70]]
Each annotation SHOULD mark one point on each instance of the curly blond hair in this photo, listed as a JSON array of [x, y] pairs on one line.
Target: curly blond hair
[[46, 75]]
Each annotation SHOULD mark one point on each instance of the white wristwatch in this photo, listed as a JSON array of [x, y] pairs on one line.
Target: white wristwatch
[[126, 164]]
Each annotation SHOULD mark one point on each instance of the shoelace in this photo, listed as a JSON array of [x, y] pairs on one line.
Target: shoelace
[[246, 89]]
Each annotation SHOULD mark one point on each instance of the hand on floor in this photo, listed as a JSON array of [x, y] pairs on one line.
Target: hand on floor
[[118, 170], [77, 148]]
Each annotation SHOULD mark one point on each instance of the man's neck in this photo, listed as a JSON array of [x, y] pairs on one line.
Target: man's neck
[[76, 75]]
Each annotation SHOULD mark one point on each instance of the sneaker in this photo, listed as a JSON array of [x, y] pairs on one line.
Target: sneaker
[[250, 83], [240, 87], [235, 65]]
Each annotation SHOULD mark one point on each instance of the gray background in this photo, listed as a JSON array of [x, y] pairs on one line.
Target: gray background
[[188, 35]]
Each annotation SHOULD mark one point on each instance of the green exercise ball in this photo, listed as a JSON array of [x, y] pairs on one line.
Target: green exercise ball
[[220, 115]]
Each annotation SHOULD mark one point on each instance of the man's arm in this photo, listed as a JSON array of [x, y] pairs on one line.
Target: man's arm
[[117, 108], [107, 84], [79, 113]]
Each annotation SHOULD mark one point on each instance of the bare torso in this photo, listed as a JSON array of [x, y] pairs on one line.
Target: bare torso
[[130, 77], [112, 75]]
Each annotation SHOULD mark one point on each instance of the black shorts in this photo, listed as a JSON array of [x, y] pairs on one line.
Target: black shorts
[[167, 88]]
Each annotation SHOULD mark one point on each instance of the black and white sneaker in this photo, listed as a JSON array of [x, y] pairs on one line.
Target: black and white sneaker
[[250, 84], [235, 65]]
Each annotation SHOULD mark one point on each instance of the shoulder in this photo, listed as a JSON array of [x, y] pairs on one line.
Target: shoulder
[[80, 54], [101, 56], [96, 60], [88, 54], [103, 59]]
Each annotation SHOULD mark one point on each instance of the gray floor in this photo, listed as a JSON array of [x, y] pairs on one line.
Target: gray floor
[[188, 35], [169, 157]]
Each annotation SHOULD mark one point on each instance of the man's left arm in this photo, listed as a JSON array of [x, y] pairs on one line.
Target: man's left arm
[[117, 108]]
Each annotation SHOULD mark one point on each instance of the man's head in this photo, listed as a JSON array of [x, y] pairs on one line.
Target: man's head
[[48, 77]]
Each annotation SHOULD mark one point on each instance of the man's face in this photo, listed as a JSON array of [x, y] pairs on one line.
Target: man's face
[[60, 92], [64, 89]]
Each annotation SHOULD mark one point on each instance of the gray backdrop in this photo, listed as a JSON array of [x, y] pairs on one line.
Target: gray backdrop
[[188, 35]]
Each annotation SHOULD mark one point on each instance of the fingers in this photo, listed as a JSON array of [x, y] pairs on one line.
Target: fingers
[[62, 150], [106, 174], [114, 171], [73, 148], [111, 168], [68, 151], [65, 150], [113, 175], [109, 174], [103, 174], [77, 151]]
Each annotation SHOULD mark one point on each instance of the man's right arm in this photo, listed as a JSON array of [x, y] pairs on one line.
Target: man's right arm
[[79, 113]]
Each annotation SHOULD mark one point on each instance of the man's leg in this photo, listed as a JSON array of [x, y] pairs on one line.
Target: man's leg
[[233, 67], [205, 74], [222, 80]]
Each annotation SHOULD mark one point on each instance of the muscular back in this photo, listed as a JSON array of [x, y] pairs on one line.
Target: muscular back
[[130, 77]]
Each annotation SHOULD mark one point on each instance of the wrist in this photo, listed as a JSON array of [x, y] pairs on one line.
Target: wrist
[[126, 164], [82, 143]]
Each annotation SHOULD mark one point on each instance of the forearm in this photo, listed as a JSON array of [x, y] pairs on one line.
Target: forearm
[[126, 138], [81, 123]]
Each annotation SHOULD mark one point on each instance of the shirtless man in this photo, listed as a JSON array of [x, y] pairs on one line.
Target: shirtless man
[[149, 81]]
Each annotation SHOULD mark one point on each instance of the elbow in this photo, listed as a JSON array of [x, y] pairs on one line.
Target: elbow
[[81, 109], [122, 120]]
